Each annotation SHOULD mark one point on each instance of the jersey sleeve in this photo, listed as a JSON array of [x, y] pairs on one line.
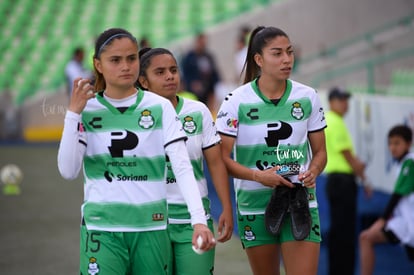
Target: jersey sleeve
[[72, 146], [227, 118], [183, 171], [210, 135], [317, 119]]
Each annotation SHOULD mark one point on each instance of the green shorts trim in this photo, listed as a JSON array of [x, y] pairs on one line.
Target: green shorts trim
[[114, 253], [252, 230]]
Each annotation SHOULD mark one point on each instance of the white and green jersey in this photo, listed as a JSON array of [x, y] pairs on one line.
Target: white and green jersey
[[269, 134], [201, 131], [125, 162]]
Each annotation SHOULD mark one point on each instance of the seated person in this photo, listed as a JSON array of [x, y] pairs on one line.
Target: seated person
[[397, 222]]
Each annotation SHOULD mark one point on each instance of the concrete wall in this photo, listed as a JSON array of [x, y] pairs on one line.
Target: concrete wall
[[312, 25]]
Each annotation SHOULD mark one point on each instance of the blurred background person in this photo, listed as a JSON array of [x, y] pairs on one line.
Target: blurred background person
[[144, 42], [241, 52], [200, 73], [342, 169], [396, 225], [75, 68]]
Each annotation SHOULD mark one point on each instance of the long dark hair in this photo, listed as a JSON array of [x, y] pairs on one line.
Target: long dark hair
[[259, 38]]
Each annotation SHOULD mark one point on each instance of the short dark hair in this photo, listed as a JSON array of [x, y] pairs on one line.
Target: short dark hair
[[401, 131]]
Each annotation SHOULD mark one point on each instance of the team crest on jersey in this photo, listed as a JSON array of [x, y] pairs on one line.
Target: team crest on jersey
[[93, 267], [189, 125], [297, 110], [146, 120], [249, 234]]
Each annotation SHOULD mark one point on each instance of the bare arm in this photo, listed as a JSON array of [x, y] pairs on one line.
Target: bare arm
[[318, 162], [357, 166], [221, 183]]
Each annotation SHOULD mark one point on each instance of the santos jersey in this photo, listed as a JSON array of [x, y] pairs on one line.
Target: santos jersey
[[124, 164], [201, 131], [270, 134], [405, 183]]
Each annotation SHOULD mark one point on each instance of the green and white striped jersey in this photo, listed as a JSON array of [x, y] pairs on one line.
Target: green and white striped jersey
[[201, 131], [269, 134], [125, 162]]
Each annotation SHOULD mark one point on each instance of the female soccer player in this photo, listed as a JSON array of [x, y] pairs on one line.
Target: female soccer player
[[159, 73], [121, 135], [276, 127]]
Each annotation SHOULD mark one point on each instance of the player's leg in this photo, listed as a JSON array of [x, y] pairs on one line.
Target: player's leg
[[185, 260], [102, 252], [301, 257], [367, 240], [261, 247], [264, 259]]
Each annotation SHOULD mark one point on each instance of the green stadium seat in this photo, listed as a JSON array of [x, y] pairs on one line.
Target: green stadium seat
[[43, 41]]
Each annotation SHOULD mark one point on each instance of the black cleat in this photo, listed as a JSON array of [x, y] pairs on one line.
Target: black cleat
[[276, 209], [299, 213]]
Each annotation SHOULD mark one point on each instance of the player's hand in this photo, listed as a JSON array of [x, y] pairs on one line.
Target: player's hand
[[308, 178], [81, 93], [270, 178], [209, 241], [225, 226]]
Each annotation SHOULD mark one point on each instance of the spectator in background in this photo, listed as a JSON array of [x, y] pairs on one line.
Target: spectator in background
[[75, 68], [200, 73], [144, 43], [342, 169], [241, 52], [394, 225]]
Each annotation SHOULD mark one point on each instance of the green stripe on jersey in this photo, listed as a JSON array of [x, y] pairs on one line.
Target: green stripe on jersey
[[267, 111], [125, 215], [197, 168], [152, 169], [248, 155], [253, 201], [180, 211], [192, 123], [104, 120]]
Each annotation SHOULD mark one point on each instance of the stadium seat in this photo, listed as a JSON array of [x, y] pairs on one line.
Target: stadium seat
[[42, 42]]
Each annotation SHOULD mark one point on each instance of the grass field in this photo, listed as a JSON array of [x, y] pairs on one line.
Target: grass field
[[39, 229]]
